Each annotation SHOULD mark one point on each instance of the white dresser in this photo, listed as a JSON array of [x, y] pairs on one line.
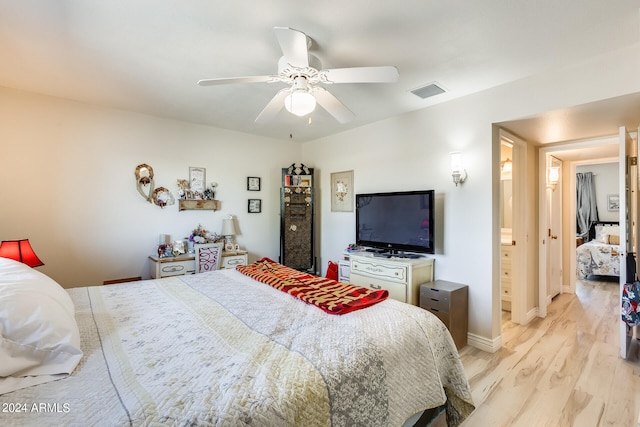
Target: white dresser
[[400, 276], [186, 264]]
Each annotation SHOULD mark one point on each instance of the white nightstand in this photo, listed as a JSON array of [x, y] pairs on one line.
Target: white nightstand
[[172, 266], [232, 259]]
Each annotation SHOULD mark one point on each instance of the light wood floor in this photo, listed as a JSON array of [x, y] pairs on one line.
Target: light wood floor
[[563, 370]]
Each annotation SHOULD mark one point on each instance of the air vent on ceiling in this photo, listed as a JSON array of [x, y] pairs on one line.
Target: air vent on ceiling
[[427, 91]]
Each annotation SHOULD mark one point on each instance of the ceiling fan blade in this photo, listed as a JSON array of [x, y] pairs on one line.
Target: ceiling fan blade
[[385, 74], [228, 80], [273, 107], [294, 46], [333, 105]]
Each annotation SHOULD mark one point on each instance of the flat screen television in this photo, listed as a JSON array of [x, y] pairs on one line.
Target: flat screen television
[[396, 222]]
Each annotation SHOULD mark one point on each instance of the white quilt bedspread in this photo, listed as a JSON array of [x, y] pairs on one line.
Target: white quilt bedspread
[[598, 259], [192, 350]]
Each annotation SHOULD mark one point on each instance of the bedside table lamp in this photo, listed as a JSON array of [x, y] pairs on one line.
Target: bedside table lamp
[[20, 250], [228, 231]]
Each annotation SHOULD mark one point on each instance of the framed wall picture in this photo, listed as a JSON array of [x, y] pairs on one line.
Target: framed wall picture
[[255, 205], [613, 202], [342, 191], [253, 183], [197, 179]]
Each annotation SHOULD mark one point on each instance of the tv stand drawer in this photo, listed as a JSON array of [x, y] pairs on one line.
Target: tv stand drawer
[[397, 291], [389, 272], [401, 277]]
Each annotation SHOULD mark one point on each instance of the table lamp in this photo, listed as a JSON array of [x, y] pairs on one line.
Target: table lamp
[[228, 231], [20, 250]]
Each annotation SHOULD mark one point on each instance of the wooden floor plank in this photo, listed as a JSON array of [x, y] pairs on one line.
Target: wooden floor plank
[[563, 370]]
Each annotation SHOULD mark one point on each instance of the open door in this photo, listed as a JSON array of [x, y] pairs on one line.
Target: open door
[[554, 233], [628, 214]]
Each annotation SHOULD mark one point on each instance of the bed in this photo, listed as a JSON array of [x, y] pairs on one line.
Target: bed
[[600, 256], [216, 348]]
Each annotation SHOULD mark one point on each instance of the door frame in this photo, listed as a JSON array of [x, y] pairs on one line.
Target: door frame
[[628, 191], [520, 225], [570, 188]]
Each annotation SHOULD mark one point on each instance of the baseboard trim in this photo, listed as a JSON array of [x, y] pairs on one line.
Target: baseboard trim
[[531, 314], [483, 343]]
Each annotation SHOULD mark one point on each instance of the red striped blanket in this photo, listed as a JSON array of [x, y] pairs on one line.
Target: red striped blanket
[[329, 295]]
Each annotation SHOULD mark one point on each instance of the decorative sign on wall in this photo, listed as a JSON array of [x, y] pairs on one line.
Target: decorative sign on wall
[[197, 179], [342, 191]]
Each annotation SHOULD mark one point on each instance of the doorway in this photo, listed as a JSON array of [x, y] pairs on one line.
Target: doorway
[[570, 155], [506, 227], [514, 226]]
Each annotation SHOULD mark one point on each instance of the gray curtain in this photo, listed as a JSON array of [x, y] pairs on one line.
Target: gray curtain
[[587, 211]]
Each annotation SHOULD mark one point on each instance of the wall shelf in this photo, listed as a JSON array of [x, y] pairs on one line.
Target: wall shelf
[[213, 205]]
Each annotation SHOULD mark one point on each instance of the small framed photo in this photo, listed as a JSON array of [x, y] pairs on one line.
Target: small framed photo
[[197, 179], [342, 191], [255, 205], [253, 183], [613, 202]]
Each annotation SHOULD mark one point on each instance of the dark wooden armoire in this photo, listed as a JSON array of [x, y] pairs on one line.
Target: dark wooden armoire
[[297, 206]]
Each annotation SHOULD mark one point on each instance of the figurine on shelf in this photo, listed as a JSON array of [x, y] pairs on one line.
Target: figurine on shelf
[[210, 193], [165, 250], [183, 188]]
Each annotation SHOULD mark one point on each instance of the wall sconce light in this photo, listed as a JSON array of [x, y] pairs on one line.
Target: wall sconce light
[[458, 172], [553, 177], [507, 166]]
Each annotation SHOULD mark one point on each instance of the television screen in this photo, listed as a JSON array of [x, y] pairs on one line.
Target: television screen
[[397, 222]]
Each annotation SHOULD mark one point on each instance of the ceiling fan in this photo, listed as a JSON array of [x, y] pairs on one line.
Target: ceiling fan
[[303, 73]]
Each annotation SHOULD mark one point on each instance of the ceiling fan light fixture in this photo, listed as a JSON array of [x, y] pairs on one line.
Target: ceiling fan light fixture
[[300, 103]]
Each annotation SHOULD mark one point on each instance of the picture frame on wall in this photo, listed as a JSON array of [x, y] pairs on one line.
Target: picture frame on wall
[[613, 202], [342, 191], [253, 183], [197, 179], [254, 206]]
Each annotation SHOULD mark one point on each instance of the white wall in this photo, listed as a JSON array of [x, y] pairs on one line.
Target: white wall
[[67, 177], [67, 183], [606, 182], [412, 152]]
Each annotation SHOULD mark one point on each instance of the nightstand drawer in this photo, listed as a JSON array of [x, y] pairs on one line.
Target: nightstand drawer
[[176, 268], [231, 261], [433, 299], [443, 316]]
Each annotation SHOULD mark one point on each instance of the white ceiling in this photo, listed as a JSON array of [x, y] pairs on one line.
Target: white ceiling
[[147, 55]]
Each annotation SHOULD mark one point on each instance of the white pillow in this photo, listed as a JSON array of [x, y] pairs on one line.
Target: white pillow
[[613, 230], [39, 338], [603, 232]]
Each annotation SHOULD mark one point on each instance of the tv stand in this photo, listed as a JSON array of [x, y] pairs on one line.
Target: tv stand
[[401, 277]]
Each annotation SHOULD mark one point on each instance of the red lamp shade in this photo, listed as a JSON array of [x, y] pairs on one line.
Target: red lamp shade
[[20, 250]]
